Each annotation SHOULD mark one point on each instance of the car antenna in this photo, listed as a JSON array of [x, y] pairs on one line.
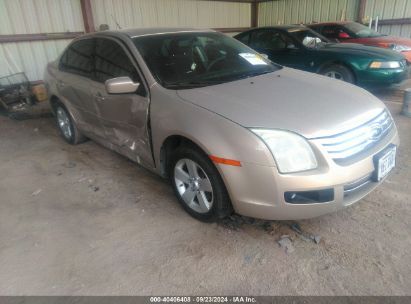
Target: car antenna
[[115, 21]]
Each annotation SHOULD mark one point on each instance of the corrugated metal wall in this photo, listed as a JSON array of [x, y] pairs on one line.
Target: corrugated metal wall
[[169, 13], [31, 17], [305, 11], [29, 57], [390, 9]]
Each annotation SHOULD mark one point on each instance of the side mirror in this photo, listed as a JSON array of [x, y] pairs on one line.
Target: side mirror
[[121, 85], [343, 35], [291, 46]]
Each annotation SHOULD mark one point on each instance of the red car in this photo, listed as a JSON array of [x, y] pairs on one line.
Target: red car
[[354, 32]]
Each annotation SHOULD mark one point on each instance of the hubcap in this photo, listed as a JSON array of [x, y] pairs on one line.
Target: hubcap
[[335, 75], [64, 123], [193, 185]]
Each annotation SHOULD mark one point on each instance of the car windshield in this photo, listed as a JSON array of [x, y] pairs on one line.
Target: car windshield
[[195, 59], [361, 31], [308, 37]]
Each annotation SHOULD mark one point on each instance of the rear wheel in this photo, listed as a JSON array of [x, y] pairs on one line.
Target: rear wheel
[[198, 185], [339, 72], [66, 125]]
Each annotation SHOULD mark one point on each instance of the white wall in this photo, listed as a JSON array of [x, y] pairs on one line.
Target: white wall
[[306, 11], [390, 9], [33, 17], [170, 13]]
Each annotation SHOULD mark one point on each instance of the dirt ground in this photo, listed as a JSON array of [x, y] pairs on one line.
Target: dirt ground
[[82, 220]]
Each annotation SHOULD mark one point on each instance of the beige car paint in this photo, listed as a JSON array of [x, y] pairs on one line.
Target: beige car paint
[[217, 119]]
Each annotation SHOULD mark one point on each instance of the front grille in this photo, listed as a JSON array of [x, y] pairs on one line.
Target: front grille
[[350, 143]]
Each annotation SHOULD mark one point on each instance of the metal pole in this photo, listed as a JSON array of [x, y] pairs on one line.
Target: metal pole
[[406, 107]]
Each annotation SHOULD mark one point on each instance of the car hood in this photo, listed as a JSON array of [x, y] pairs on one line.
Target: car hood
[[301, 102], [359, 49]]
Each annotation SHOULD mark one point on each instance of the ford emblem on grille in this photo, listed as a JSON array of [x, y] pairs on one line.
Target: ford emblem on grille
[[375, 132]]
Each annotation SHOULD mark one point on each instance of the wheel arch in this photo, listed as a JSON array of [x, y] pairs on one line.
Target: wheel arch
[[170, 144], [53, 102], [338, 62]]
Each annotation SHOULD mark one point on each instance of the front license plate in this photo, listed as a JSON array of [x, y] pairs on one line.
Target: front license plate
[[385, 163]]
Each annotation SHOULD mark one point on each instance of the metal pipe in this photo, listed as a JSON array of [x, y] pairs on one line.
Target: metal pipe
[[370, 24], [376, 23], [406, 106]]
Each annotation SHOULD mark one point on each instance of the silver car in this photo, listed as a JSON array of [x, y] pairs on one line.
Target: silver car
[[230, 129]]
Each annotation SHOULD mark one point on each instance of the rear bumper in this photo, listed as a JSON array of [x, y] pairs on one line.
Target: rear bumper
[[259, 191]]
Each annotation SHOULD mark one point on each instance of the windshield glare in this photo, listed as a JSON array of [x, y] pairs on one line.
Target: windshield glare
[[185, 60], [307, 37], [361, 31]]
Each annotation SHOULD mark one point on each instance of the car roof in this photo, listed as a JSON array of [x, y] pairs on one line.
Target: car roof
[[137, 32], [275, 27], [330, 23], [281, 27]]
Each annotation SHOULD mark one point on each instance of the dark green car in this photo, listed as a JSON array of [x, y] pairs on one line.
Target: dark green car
[[301, 48]]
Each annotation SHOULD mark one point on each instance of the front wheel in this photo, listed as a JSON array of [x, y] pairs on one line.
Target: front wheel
[[339, 72], [198, 185]]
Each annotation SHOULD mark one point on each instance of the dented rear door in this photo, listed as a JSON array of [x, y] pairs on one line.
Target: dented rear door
[[73, 81]]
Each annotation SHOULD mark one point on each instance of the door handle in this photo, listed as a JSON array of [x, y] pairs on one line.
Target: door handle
[[60, 84], [99, 97]]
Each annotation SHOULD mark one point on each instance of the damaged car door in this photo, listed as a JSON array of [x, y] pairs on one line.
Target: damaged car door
[[73, 81], [124, 116]]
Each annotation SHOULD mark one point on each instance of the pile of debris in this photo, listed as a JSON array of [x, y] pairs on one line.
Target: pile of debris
[[18, 95]]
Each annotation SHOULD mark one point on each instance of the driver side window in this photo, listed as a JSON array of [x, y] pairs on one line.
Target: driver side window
[[112, 61]]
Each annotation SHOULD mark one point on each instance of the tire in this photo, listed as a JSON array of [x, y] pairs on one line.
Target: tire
[[208, 196], [66, 125], [338, 71]]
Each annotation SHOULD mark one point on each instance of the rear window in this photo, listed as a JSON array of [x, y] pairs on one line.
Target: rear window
[[78, 58]]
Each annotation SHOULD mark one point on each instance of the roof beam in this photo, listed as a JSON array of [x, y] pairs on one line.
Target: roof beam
[[399, 21], [361, 10], [87, 13], [254, 14], [38, 37]]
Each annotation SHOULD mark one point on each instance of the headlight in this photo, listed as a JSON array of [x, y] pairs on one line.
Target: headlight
[[385, 65], [400, 48], [291, 152]]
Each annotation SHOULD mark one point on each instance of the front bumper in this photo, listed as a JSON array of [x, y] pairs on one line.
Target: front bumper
[[258, 191], [407, 55], [383, 77]]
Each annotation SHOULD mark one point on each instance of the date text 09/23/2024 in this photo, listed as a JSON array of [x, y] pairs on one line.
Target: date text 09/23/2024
[[205, 299]]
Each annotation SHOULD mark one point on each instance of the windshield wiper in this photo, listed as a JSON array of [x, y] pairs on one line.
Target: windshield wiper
[[190, 84], [253, 74]]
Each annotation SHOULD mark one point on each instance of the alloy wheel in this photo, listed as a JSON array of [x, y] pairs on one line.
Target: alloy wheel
[[193, 185], [64, 123], [335, 75]]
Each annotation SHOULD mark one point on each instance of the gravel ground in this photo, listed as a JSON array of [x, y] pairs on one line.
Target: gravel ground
[[82, 220]]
